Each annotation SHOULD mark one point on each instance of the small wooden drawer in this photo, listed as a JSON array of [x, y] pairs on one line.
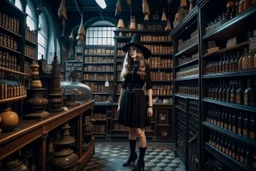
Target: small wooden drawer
[[163, 117], [163, 131]]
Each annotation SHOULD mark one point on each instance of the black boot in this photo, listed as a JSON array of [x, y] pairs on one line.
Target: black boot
[[133, 154], [141, 164]]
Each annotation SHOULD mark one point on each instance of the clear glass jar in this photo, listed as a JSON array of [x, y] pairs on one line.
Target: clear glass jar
[[74, 92]]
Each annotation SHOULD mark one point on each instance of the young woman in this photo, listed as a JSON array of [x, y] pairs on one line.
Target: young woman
[[133, 107]]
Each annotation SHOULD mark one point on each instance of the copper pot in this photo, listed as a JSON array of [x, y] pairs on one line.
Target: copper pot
[[8, 119]]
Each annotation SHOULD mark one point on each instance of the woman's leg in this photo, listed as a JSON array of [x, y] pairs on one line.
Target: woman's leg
[[142, 146], [132, 141]]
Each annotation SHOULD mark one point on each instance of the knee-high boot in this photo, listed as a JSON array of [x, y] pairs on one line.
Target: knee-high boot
[[141, 164], [133, 155]]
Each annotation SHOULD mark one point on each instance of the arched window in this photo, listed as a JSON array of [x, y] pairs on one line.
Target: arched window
[[100, 33], [31, 18], [42, 36], [18, 4]]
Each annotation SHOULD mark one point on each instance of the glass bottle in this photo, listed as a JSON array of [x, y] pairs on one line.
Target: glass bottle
[[252, 127], [222, 118], [232, 62], [234, 122], [249, 94], [240, 124], [250, 59], [230, 120], [235, 62], [240, 58], [239, 93], [245, 59], [220, 65], [234, 149], [246, 4], [241, 6], [224, 91], [245, 125], [232, 94], [226, 119], [237, 7], [227, 63], [238, 149], [230, 147], [223, 64], [247, 156], [220, 92], [242, 154], [228, 93]]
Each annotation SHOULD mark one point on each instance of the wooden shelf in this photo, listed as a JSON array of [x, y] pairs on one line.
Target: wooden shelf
[[30, 58], [181, 26], [31, 43], [181, 109], [99, 63], [225, 158], [187, 78], [188, 49], [187, 63], [99, 55], [247, 72], [9, 31], [230, 105], [12, 71], [12, 99], [228, 49], [186, 96], [242, 139], [10, 50], [228, 28], [29, 130]]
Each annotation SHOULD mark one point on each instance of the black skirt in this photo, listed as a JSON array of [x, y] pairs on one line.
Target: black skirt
[[133, 110]]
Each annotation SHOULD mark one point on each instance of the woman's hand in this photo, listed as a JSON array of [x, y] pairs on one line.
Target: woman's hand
[[150, 111]]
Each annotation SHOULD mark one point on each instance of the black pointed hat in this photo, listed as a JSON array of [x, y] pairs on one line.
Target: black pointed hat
[[136, 42]]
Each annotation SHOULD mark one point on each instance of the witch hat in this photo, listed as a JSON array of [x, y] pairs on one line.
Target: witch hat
[[136, 42]]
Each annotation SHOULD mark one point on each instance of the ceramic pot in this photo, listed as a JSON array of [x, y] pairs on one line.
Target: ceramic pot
[[9, 119], [64, 160], [15, 165]]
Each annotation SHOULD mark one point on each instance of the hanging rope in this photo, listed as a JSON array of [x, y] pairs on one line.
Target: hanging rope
[[78, 8]]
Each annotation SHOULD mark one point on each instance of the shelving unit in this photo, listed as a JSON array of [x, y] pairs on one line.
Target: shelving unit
[[225, 120]]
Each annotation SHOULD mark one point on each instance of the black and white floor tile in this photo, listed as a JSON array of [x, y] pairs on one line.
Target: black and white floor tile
[[109, 156]]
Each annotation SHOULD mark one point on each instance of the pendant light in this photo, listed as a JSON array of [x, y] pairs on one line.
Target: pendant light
[[101, 3]]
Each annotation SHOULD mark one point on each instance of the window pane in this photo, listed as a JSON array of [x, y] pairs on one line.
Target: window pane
[[31, 18], [18, 4]]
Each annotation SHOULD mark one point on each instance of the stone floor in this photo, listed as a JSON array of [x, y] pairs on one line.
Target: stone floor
[[109, 156]]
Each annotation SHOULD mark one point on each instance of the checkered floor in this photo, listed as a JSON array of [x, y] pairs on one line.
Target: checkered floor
[[109, 156]]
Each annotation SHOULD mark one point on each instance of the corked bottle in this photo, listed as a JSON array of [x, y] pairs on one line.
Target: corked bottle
[[239, 93], [240, 58], [245, 59], [252, 127], [250, 59], [233, 149], [240, 124], [245, 125], [249, 94]]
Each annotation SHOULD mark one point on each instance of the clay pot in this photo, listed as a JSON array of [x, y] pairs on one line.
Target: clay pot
[[9, 119], [64, 160], [15, 165]]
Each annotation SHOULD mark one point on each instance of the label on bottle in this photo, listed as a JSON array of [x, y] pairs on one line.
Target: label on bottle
[[237, 157], [218, 123], [252, 135], [229, 127], [234, 129], [225, 150], [238, 98], [230, 153], [241, 159], [245, 99], [245, 132], [239, 131], [234, 155], [221, 124], [226, 126], [232, 98]]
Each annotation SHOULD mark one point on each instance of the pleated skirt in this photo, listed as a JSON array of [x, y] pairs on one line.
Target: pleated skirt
[[133, 110]]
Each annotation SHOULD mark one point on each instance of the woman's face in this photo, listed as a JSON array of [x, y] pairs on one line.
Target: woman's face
[[133, 52]]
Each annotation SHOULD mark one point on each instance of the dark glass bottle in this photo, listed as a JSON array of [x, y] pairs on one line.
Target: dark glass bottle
[[240, 124], [226, 119], [226, 145], [249, 94], [214, 139], [210, 138], [221, 147], [240, 58], [220, 65], [230, 148], [218, 141], [235, 62], [252, 127], [250, 59], [218, 117], [227, 63], [238, 149], [224, 89], [223, 63], [247, 157], [242, 152], [220, 92], [240, 93], [228, 93], [234, 149], [230, 120], [234, 122], [245, 125], [232, 94], [222, 118]]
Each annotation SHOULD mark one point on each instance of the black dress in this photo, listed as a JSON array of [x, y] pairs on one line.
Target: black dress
[[134, 103]]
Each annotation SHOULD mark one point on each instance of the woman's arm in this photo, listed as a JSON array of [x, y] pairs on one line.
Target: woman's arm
[[150, 93], [120, 97]]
